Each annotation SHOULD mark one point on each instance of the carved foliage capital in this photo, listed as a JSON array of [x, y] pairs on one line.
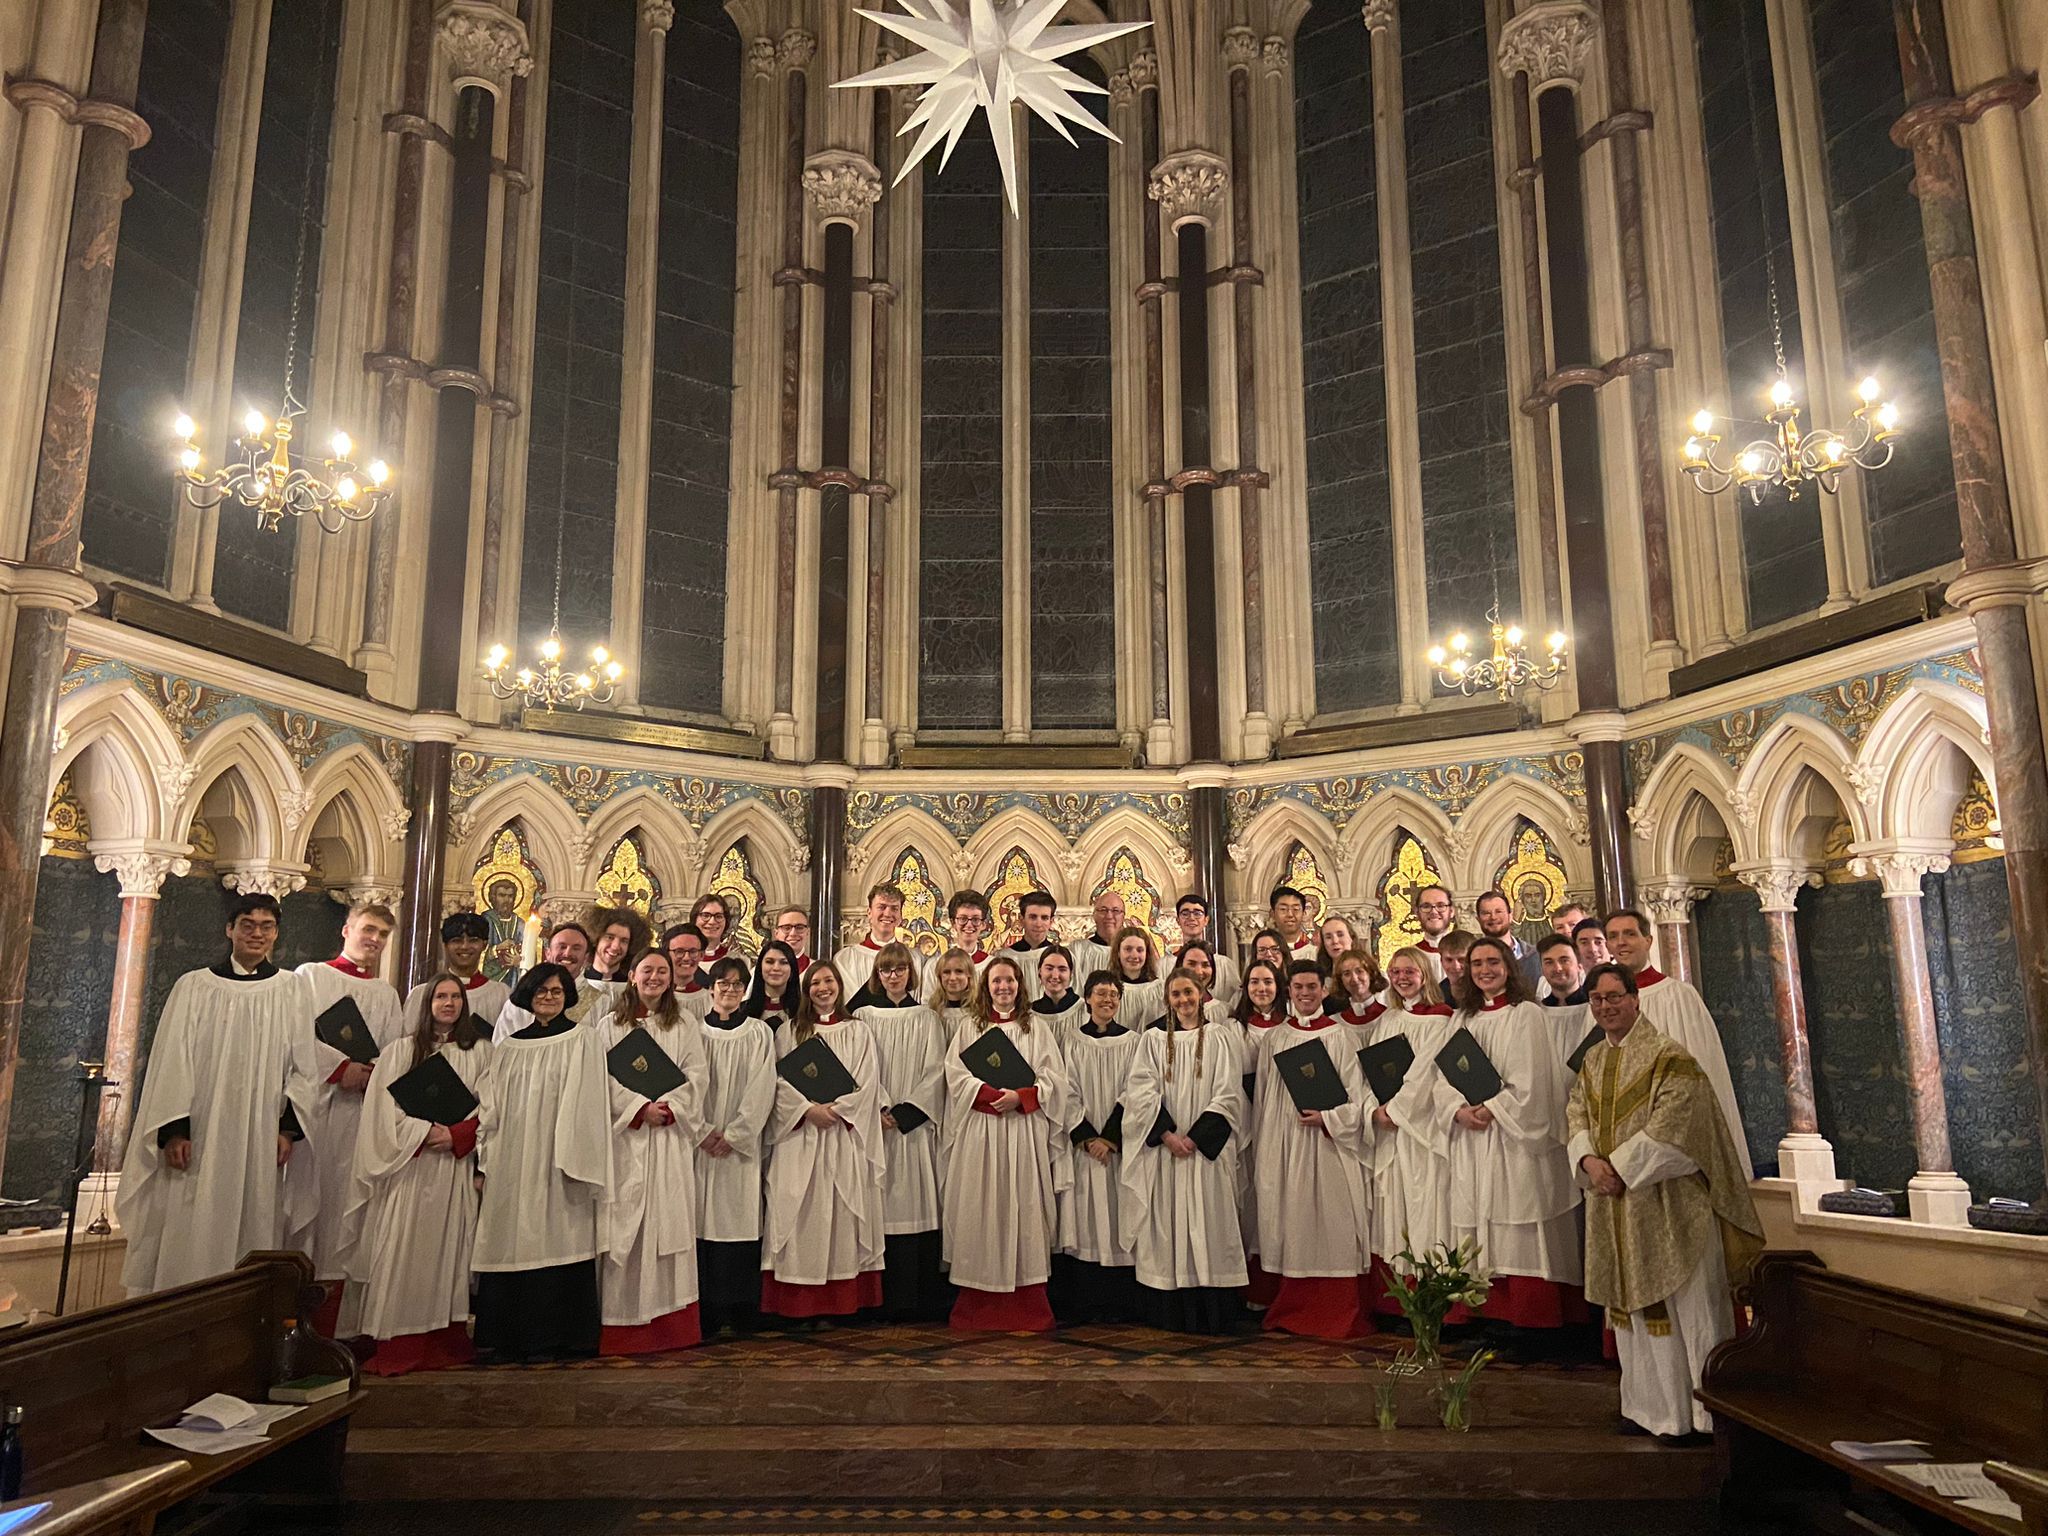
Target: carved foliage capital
[[658, 15], [481, 42], [1670, 903], [761, 56], [841, 185], [1550, 42], [1900, 870], [1189, 186], [1273, 53], [1777, 885], [276, 881], [1240, 48], [141, 870], [1144, 69], [796, 48], [1379, 14]]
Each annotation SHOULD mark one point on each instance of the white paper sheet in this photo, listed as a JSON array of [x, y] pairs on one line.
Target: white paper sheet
[[2003, 1507], [1953, 1479], [217, 1411], [1882, 1450], [206, 1442]]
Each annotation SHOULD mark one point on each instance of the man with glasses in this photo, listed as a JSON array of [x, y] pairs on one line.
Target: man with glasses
[[793, 927], [1287, 915], [1670, 1226], [1097, 952], [1436, 912], [1191, 912]]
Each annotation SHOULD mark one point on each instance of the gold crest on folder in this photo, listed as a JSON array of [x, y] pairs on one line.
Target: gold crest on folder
[[639, 1063]]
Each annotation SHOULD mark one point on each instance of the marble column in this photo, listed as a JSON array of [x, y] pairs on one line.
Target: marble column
[[1805, 1156], [1670, 905], [1934, 1194], [1208, 837], [793, 55], [1929, 128], [45, 587], [418, 951], [142, 868], [1240, 53], [826, 844]]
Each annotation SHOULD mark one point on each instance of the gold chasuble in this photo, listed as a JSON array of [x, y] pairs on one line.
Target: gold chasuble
[[1644, 1245]]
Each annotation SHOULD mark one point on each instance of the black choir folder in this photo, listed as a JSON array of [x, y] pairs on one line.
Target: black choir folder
[[1577, 1059], [1465, 1068], [640, 1066], [341, 1026], [1311, 1077], [434, 1091], [993, 1057], [814, 1070], [1386, 1065], [484, 1027]]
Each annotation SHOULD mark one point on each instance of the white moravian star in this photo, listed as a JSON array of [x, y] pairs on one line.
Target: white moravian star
[[981, 60]]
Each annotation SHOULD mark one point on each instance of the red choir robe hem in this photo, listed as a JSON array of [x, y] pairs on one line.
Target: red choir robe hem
[[1528, 1302], [675, 1330], [1024, 1310], [1322, 1307], [1260, 1287], [835, 1298], [443, 1349]]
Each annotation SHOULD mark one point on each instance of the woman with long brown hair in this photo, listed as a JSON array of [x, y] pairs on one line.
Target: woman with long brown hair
[[413, 1198], [1006, 1159], [912, 1048], [823, 1252]]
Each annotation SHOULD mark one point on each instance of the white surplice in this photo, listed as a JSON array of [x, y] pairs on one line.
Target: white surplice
[[1248, 1154], [912, 1050], [224, 1055], [741, 1062], [1066, 1018], [1678, 1010], [1313, 1182], [1511, 1187], [650, 1267], [1094, 1220], [856, 963], [825, 1182], [415, 1210], [1004, 1173], [1411, 1164], [336, 1113], [1142, 1002], [1182, 1211], [544, 1145]]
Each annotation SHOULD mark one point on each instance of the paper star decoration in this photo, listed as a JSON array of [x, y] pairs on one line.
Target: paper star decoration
[[982, 60]]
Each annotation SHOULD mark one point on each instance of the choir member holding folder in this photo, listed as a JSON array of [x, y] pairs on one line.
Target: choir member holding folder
[[1312, 1150], [544, 1147], [912, 1049], [654, 1058], [1092, 1277], [355, 1015], [1499, 1096], [739, 1051], [1411, 1148], [1007, 1156], [1183, 1121], [414, 1201], [823, 1252]]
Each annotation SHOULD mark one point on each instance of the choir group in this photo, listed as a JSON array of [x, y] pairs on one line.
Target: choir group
[[642, 1142]]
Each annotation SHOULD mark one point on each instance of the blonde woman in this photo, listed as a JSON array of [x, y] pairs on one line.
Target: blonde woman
[[649, 1278], [1411, 1152], [1183, 1120], [952, 988], [1006, 1162]]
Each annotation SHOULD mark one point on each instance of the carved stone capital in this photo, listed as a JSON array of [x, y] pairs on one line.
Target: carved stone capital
[[263, 878], [141, 867], [1238, 854], [1899, 867], [1189, 186], [841, 186], [1867, 780], [761, 57], [396, 822], [1671, 902], [481, 44], [1144, 69], [1121, 93], [1550, 42], [369, 892], [795, 49], [658, 15], [295, 804], [1379, 14], [1240, 48], [1274, 55], [174, 782], [1777, 885]]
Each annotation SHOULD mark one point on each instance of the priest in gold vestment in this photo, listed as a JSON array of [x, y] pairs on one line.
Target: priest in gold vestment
[[1669, 1222]]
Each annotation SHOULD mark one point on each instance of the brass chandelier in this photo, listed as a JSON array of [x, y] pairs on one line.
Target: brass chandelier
[[1506, 668]]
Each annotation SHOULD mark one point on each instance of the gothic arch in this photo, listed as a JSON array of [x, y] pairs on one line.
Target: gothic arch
[[641, 809], [1372, 833], [1267, 841], [1166, 864], [551, 828], [1920, 753], [1774, 780], [772, 850], [244, 745], [1019, 827], [113, 745], [868, 861], [1489, 824], [355, 783], [1668, 812]]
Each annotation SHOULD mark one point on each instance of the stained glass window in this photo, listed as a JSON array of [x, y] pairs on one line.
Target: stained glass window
[[1533, 879], [742, 892], [1411, 870], [924, 908], [626, 880], [1143, 905], [1306, 876], [1016, 878]]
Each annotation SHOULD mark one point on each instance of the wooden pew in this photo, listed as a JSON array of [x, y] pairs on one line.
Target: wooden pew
[[1830, 1357], [90, 1383]]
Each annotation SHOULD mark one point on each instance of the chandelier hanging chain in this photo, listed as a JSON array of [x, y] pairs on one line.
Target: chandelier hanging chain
[[1786, 458], [262, 474]]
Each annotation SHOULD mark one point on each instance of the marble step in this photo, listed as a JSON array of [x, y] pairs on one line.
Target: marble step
[[1122, 1463], [880, 1393]]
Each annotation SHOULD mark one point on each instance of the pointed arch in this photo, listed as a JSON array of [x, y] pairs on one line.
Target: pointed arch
[[548, 825], [870, 860], [244, 745], [352, 784], [772, 854], [1489, 826], [660, 827], [1668, 813], [1410, 864], [924, 899], [1773, 779], [113, 745], [1017, 827], [1267, 840], [1923, 749], [1164, 859], [1371, 837]]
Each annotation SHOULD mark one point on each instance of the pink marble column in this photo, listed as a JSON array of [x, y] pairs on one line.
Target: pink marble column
[[1804, 1155], [1670, 908], [1934, 1194], [141, 871]]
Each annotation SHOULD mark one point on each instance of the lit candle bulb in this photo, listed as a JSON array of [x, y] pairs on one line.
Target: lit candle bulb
[[552, 648], [189, 458], [253, 424], [1888, 417], [183, 426], [1781, 394], [1703, 422], [1514, 634], [379, 471], [1437, 656], [341, 445], [1556, 642]]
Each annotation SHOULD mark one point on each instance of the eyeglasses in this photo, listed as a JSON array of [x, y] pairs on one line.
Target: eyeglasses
[[1607, 999], [1435, 906]]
